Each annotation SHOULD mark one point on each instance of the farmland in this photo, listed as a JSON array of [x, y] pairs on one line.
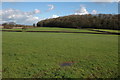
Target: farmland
[[43, 55], [53, 29], [68, 30]]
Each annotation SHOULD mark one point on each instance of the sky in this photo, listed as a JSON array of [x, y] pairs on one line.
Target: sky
[[32, 12], [60, 0]]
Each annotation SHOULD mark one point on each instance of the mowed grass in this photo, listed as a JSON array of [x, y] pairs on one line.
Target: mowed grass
[[64, 29], [10, 29], [115, 31], [58, 29], [54, 29], [40, 55]]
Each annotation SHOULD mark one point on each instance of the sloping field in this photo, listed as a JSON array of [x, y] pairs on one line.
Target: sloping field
[[59, 55], [58, 29], [64, 30], [53, 29], [116, 31]]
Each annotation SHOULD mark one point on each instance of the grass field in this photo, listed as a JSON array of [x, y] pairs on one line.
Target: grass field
[[54, 29], [116, 31], [46, 55], [59, 29], [65, 29]]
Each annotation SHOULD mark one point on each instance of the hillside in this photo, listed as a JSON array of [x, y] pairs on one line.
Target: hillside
[[101, 21]]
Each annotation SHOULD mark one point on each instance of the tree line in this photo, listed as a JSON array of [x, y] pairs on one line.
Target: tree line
[[98, 21], [10, 25]]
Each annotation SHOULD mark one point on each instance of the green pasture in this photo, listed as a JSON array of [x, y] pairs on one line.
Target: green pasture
[[58, 29], [54, 29], [40, 55], [64, 29], [116, 31]]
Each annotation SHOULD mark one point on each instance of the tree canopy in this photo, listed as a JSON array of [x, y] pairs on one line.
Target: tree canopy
[[101, 21]]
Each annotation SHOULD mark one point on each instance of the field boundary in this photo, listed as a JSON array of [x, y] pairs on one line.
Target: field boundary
[[103, 32]]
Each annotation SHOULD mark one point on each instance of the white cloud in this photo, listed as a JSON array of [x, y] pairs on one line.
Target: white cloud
[[84, 11], [81, 11], [51, 7], [37, 11], [55, 16], [94, 12], [19, 16]]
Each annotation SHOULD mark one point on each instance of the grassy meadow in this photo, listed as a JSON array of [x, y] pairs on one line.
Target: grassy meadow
[[58, 29], [64, 29], [43, 55]]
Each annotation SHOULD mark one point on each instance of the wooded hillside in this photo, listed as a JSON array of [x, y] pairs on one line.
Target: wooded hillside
[[101, 21]]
